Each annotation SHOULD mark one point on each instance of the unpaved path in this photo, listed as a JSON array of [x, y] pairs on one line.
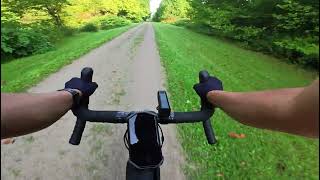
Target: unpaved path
[[129, 75]]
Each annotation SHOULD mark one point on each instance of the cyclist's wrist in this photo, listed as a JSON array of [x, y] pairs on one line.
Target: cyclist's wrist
[[67, 96], [212, 96], [75, 95]]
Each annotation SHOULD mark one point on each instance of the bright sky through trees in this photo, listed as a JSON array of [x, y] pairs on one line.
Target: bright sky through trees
[[154, 4]]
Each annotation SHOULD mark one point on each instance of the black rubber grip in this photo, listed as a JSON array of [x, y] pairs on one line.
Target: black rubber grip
[[86, 75], [208, 130], [77, 132], [203, 76]]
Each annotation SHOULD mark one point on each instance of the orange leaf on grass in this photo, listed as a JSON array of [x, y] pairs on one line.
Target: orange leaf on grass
[[236, 136], [242, 135]]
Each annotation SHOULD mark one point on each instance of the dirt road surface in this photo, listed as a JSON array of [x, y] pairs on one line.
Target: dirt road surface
[[129, 74]]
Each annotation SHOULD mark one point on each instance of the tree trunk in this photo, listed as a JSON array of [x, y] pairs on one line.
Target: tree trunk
[[55, 16]]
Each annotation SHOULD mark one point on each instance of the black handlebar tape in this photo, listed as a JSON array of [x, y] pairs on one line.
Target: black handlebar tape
[[208, 130], [86, 75], [101, 116], [77, 132], [186, 117]]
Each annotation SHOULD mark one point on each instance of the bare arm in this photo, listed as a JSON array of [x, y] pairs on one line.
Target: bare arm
[[294, 110], [26, 113]]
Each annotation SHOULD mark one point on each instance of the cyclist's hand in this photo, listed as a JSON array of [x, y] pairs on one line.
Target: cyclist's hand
[[202, 89], [86, 88]]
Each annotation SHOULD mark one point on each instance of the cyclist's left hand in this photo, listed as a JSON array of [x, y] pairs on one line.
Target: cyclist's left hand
[[86, 88]]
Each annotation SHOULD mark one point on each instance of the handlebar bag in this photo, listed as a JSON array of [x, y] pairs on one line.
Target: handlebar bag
[[144, 142]]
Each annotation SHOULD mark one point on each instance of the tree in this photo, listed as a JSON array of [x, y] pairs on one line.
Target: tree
[[52, 7], [82, 11], [136, 10], [171, 10]]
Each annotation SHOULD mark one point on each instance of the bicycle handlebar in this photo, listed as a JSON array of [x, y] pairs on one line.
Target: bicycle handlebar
[[86, 75], [205, 105], [121, 117], [83, 114]]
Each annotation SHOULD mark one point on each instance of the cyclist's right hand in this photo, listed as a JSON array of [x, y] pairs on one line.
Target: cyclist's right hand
[[86, 88], [202, 89]]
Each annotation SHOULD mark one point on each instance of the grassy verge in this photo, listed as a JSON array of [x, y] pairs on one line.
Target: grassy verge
[[20, 74], [262, 154]]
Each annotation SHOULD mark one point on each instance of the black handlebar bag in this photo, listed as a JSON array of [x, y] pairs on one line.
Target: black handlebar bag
[[143, 140]]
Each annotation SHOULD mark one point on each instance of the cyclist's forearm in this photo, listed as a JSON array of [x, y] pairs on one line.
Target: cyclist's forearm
[[26, 113], [305, 109], [265, 109]]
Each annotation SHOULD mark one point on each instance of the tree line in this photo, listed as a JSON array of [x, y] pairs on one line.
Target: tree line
[[33, 26], [283, 28]]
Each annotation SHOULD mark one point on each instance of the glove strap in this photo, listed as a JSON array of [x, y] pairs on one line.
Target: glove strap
[[75, 96]]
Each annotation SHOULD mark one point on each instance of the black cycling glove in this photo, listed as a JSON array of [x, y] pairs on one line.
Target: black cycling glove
[[86, 88], [212, 83]]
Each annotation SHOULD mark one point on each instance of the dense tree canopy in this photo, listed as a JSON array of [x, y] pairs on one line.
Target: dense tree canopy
[[77, 11], [81, 11]]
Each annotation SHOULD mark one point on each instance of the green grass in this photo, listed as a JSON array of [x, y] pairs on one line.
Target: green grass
[[262, 154], [20, 74]]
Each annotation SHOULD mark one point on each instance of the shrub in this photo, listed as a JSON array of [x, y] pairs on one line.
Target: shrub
[[53, 33], [90, 27], [247, 34], [111, 22], [22, 41], [311, 60], [170, 19], [68, 31], [182, 22], [299, 50], [201, 28]]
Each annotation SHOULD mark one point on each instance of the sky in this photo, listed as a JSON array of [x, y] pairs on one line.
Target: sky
[[154, 4]]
